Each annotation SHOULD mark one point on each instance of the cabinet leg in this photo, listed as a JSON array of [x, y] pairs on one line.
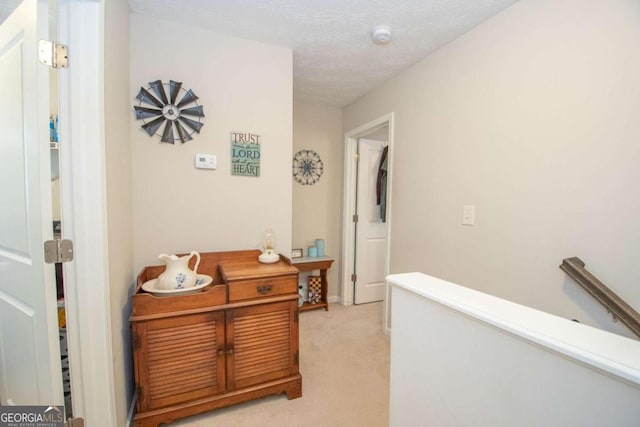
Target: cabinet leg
[[295, 391]]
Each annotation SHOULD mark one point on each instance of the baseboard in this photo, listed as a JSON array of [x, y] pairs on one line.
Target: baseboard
[[129, 421], [333, 299], [337, 299]]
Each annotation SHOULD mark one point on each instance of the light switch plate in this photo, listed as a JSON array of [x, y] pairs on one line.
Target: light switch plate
[[468, 215], [206, 161]]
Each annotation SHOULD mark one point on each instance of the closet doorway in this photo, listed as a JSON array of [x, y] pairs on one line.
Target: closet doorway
[[30, 369], [367, 211]]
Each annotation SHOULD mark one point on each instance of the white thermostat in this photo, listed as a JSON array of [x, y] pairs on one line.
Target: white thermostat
[[206, 161]]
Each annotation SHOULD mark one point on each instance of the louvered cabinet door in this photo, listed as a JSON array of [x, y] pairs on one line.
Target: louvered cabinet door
[[179, 359], [262, 343]]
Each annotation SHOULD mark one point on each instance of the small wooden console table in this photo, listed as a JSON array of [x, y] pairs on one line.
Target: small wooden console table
[[322, 263]]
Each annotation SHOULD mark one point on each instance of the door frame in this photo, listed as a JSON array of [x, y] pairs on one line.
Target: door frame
[[349, 201], [84, 212]]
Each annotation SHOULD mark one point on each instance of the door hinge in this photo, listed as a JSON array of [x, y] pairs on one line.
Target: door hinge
[[295, 316], [354, 277], [139, 393], [355, 218], [74, 422], [52, 54], [58, 250], [356, 157], [296, 358]]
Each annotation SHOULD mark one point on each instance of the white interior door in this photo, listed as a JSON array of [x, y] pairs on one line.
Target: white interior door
[[29, 343], [371, 231]]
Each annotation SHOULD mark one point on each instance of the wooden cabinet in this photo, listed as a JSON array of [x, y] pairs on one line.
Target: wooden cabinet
[[198, 352], [260, 343], [178, 359]]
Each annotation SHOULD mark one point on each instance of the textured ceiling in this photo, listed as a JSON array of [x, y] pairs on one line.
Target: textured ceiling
[[334, 60]]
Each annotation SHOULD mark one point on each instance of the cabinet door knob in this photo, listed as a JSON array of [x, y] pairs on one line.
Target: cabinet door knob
[[230, 351], [263, 290], [221, 352]]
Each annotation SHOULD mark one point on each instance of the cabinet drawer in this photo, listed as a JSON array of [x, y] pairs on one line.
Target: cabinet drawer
[[249, 289]]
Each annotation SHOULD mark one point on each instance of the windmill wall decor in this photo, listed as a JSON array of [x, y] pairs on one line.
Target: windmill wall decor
[[179, 112]]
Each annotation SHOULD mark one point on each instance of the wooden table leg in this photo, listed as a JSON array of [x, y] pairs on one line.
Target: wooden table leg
[[325, 288]]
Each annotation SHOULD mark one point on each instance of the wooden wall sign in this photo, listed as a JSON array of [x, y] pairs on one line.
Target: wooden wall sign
[[245, 154]]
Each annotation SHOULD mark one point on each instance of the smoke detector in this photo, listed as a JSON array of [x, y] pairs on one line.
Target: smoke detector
[[381, 34]]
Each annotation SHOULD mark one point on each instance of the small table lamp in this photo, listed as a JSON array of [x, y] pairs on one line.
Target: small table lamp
[[269, 255]]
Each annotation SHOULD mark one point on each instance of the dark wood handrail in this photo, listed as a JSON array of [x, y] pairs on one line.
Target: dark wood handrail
[[574, 267]]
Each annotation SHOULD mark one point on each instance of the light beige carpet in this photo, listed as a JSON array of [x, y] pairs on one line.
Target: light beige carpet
[[344, 361]]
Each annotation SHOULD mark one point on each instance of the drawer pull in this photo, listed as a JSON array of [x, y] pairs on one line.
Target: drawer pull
[[263, 290]]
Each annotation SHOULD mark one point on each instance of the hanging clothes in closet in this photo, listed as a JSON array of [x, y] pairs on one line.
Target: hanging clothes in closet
[[381, 185]]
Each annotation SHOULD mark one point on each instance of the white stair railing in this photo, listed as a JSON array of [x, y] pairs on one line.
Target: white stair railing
[[460, 357]]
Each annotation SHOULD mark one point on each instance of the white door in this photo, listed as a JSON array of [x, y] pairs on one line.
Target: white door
[[371, 230], [29, 343]]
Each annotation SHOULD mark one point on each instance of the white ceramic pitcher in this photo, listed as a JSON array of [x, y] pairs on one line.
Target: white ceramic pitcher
[[177, 274]]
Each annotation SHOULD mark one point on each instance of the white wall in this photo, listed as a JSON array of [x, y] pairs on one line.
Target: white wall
[[119, 206], [533, 118], [316, 208], [243, 86], [490, 362]]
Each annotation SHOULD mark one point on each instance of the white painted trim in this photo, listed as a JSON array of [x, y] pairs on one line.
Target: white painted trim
[[596, 349], [132, 410], [83, 193], [348, 203], [386, 309], [333, 299], [466, 352]]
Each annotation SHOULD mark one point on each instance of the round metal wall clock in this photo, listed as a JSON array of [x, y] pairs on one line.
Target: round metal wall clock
[[307, 167], [170, 105]]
